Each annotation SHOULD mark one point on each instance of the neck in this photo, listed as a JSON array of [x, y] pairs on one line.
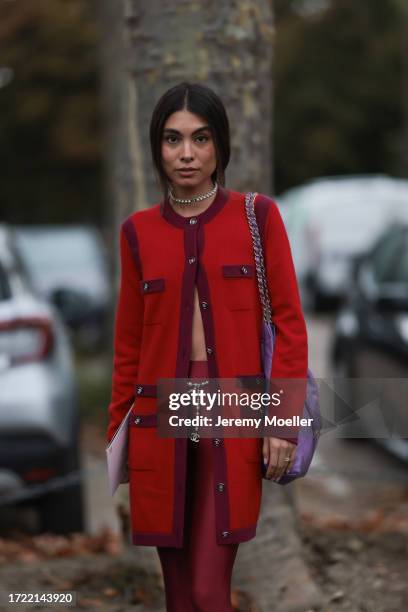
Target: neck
[[187, 191], [189, 210]]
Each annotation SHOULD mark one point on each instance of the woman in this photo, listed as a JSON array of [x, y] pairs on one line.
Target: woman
[[188, 307]]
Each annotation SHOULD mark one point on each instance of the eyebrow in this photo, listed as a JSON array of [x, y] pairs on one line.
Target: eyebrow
[[200, 129]]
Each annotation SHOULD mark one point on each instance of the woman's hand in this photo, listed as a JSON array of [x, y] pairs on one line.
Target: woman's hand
[[274, 451]]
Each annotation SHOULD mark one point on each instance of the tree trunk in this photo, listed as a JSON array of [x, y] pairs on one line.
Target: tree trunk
[[151, 45], [148, 46]]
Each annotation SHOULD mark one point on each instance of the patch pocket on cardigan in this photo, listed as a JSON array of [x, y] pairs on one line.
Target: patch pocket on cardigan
[[142, 451], [152, 290], [152, 286], [240, 286]]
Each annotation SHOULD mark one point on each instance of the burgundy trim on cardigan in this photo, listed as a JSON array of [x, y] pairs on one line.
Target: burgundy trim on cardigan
[[152, 285], [156, 539], [223, 534], [173, 217], [163, 539], [131, 237], [187, 301], [241, 270], [145, 390], [143, 420], [183, 365], [251, 381], [206, 313]]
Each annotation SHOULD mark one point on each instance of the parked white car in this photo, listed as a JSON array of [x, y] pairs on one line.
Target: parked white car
[[68, 266], [39, 424], [332, 220]]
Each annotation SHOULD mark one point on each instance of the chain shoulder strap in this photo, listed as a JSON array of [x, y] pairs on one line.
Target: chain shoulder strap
[[258, 253]]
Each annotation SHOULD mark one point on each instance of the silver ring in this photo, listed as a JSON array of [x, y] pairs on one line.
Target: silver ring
[[287, 459]]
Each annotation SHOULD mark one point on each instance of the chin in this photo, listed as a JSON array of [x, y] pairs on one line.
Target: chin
[[187, 179]]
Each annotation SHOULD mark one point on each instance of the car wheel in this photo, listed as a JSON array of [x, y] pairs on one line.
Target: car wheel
[[62, 511]]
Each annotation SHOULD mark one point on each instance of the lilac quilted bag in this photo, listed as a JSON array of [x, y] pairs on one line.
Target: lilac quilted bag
[[308, 435]]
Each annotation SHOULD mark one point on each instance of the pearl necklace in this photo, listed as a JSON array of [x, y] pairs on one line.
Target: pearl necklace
[[194, 200]]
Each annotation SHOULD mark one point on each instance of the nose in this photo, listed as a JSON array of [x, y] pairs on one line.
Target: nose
[[187, 152]]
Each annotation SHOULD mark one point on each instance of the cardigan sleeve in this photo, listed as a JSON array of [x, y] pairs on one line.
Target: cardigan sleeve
[[290, 358], [127, 336]]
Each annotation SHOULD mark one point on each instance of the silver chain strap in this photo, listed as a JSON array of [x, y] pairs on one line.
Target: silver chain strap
[[258, 253]]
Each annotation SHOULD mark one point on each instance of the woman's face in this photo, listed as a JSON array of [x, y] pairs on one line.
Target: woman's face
[[187, 142]]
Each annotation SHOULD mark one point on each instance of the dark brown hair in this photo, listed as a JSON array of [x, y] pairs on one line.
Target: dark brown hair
[[200, 100]]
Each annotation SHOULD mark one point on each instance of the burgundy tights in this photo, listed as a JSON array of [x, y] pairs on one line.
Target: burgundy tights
[[197, 577]]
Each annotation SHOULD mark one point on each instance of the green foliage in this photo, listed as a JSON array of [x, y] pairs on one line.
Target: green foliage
[[50, 132], [338, 105], [338, 90]]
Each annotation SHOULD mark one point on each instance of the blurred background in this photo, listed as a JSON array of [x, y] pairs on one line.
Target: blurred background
[[317, 96]]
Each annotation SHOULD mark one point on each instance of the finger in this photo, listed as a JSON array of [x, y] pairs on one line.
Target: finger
[[280, 463], [273, 461], [289, 464], [265, 453], [281, 466], [270, 464], [292, 458], [265, 449]]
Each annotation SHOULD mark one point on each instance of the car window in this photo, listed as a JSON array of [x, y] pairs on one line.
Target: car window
[[61, 250], [5, 292], [385, 257], [398, 273]]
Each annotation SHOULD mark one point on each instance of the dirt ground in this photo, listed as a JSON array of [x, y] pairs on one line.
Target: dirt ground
[[354, 534], [353, 522], [356, 570], [104, 573]]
